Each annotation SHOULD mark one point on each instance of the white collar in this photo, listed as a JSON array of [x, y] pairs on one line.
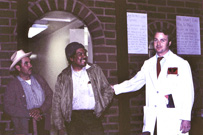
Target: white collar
[[84, 68], [165, 55]]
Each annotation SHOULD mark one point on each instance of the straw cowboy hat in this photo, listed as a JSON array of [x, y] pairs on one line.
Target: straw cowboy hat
[[17, 56]]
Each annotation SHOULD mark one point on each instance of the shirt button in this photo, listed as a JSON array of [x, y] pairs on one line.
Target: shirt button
[[154, 105], [157, 92]]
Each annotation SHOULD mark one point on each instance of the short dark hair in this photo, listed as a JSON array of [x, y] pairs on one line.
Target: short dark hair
[[70, 50], [165, 31], [69, 61]]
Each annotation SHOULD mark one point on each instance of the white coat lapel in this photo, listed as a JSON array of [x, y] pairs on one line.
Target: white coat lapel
[[153, 72]]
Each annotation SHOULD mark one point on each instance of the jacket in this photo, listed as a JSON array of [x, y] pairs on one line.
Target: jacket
[[15, 101], [179, 84], [63, 96]]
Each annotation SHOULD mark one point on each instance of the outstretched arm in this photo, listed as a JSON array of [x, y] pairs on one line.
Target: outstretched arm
[[134, 84]]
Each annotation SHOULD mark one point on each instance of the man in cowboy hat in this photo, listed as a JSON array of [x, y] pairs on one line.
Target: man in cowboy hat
[[27, 96], [82, 94]]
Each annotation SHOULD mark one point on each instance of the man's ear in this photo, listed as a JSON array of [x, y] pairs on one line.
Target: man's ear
[[17, 67], [169, 43], [71, 59]]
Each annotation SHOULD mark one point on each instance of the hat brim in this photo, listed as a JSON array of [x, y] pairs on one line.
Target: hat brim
[[17, 60]]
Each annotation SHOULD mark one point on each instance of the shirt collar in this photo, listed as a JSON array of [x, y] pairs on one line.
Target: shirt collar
[[165, 55], [20, 79], [84, 68]]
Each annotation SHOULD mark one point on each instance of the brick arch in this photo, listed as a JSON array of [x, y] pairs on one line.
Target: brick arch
[[162, 24], [78, 9]]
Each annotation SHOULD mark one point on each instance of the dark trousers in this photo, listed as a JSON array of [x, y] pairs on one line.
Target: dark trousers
[[84, 122], [24, 126], [40, 127]]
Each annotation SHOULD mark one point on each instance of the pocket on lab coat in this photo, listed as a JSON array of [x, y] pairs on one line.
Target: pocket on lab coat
[[149, 118], [168, 122]]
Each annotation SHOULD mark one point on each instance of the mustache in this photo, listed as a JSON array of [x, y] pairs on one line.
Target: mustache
[[30, 69], [83, 59], [158, 46]]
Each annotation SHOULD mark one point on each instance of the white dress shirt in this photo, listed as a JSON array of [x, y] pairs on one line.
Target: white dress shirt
[[83, 96]]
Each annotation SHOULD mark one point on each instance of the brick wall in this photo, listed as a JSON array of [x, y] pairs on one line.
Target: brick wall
[[8, 44], [99, 16], [7, 38]]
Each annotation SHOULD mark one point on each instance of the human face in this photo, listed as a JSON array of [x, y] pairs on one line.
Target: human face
[[25, 69], [79, 60], [161, 43]]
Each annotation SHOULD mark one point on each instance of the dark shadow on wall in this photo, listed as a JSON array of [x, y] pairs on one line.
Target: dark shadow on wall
[[197, 111]]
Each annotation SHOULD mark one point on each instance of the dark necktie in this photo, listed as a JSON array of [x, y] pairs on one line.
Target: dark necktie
[[158, 66]]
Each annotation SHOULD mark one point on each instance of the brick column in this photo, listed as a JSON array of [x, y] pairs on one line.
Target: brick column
[[122, 61], [22, 24]]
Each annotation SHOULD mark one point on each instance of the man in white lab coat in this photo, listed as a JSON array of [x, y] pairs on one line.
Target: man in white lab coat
[[169, 95]]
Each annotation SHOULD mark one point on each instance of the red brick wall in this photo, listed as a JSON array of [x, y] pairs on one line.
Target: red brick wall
[[8, 44], [7, 38], [99, 16]]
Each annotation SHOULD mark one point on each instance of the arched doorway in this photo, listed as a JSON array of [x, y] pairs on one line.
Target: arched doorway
[[48, 47]]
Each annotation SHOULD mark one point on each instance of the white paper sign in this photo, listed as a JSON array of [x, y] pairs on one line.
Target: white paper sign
[[188, 35], [77, 35], [137, 33]]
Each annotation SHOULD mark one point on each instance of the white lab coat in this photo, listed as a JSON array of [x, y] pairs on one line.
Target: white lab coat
[[179, 85]]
